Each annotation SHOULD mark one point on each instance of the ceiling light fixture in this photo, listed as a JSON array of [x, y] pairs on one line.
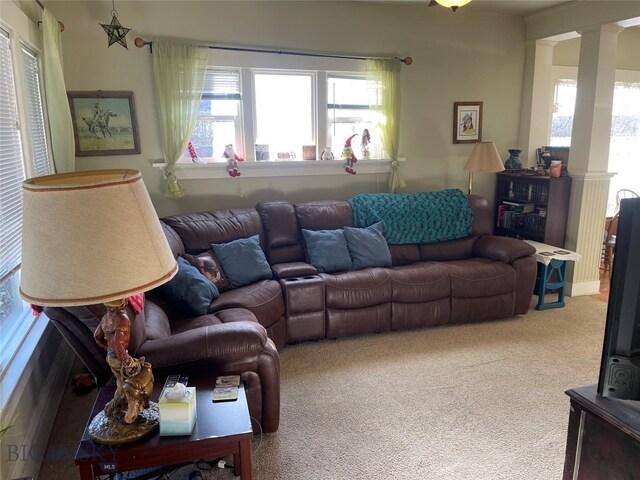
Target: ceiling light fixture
[[452, 4]]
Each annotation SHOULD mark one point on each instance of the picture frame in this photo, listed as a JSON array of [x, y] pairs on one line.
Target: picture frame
[[467, 122], [104, 123]]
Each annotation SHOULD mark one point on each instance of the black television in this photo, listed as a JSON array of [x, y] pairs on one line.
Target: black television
[[620, 366]]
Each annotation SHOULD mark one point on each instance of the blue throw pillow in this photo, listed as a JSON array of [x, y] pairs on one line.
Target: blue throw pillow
[[242, 261], [327, 250], [368, 247], [190, 290]]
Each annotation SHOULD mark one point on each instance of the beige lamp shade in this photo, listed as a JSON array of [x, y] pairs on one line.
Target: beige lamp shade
[[91, 237], [484, 158]]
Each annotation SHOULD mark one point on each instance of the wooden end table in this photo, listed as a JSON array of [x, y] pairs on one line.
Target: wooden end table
[[552, 270], [222, 428]]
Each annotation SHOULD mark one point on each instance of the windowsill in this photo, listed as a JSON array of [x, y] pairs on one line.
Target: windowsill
[[301, 168], [20, 364]]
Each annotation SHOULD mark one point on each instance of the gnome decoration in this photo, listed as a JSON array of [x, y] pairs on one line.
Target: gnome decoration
[[364, 144], [347, 154], [232, 160], [193, 154]]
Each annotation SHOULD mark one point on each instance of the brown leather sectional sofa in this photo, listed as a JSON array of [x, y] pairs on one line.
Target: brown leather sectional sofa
[[476, 278]]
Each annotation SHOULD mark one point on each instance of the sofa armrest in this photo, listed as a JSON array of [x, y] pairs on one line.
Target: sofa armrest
[[502, 249], [293, 269], [211, 345], [240, 347]]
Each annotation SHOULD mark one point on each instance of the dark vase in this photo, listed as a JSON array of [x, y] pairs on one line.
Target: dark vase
[[513, 162]]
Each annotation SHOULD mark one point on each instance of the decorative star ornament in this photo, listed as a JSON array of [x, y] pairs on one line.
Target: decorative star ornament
[[116, 32]]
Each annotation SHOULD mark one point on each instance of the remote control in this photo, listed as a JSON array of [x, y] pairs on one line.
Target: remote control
[[184, 380]]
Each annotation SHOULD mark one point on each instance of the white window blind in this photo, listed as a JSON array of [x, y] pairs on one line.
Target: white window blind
[[11, 166], [35, 119], [221, 84]]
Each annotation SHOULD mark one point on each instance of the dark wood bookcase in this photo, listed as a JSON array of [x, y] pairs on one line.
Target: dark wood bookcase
[[532, 207]]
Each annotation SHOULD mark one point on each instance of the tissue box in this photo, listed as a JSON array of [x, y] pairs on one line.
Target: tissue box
[[177, 417]]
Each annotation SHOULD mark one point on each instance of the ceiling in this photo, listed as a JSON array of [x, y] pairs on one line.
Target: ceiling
[[520, 7]]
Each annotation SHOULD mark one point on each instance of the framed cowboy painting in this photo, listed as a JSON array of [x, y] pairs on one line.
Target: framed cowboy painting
[[104, 123]]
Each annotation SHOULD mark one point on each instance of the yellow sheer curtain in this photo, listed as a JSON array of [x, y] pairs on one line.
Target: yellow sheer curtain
[[179, 70], [59, 114], [386, 73]]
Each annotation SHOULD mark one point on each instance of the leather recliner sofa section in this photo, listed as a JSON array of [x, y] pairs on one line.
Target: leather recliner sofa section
[[477, 278]]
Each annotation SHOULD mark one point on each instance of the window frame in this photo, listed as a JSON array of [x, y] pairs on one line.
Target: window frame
[[238, 120], [22, 316]]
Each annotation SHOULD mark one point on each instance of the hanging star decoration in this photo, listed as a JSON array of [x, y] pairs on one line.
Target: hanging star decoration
[[115, 31]]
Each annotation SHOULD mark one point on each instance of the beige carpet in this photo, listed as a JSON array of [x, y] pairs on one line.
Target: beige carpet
[[483, 402]]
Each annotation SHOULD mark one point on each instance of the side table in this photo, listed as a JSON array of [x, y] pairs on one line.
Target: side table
[[552, 269], [222, 428]]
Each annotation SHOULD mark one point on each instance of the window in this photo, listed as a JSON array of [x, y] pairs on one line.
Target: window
[[564, 104], [625, 132], [15, 314], [282, 113], [39, 151], [284, 106], [349, 100], [219, 120]]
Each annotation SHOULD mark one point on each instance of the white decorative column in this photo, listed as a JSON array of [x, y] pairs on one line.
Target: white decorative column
[[537, 99], [589, 155]]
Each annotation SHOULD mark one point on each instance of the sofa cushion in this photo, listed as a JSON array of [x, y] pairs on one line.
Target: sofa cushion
[[242, 261], [190, 290], [263, 299], [420, 282], [480, 277], [198, 230], [209, 266], [367, 246], [327, 250], [362, 288]]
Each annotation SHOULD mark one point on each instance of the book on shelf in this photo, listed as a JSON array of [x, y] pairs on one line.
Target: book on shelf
[[519, 207]]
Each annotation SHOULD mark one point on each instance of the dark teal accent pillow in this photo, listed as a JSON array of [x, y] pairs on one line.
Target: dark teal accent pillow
[[242, 261], [327, 250], [190, 290], [367, 246]]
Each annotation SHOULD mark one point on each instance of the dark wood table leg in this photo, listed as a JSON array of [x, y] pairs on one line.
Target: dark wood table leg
[[86, 471], [242, 461]]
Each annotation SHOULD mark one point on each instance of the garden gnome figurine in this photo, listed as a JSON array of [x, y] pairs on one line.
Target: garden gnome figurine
[[232, 160], [347, 154], [364, 144]]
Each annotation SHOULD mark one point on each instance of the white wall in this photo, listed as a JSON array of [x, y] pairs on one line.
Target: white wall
[[465, 56], [567, 52]]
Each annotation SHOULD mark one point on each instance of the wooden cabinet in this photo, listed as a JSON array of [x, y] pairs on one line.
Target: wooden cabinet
[[532, 207], [603, 437]]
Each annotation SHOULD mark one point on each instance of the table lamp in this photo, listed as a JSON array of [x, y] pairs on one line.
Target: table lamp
[[94, 237], [484, 158]]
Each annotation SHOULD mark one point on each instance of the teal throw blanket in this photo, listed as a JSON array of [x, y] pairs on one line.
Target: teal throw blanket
[[424, 217]]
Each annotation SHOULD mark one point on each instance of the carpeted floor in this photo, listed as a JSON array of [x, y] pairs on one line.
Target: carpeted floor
[[483, 401]]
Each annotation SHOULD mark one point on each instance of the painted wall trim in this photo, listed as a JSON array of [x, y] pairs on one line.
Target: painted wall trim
[[583, 288], [192, 171]]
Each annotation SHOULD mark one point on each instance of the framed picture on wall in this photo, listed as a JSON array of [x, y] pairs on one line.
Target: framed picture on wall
[[467, 122], [104, 123]]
